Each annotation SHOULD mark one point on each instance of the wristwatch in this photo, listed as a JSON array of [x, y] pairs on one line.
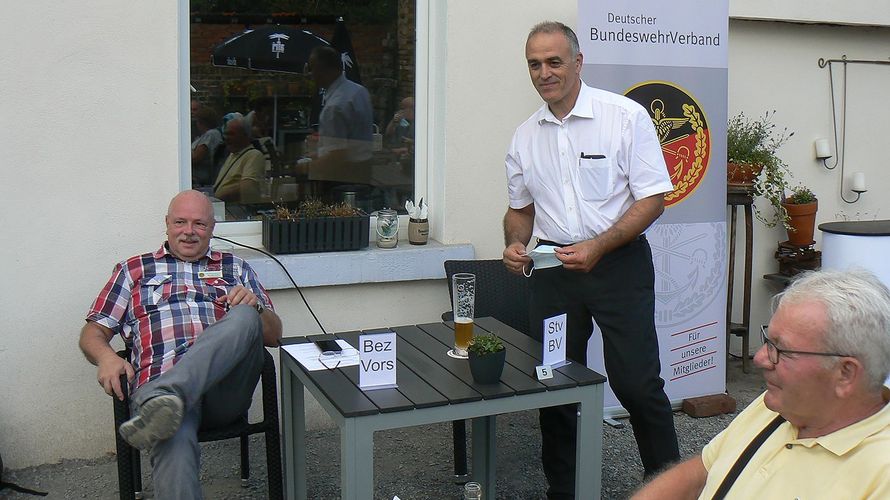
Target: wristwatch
[[259, 307]]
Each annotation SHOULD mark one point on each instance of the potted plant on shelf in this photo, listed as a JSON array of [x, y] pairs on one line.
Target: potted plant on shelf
[[753, 165], [316, 227], [801, 208], [486, 356]]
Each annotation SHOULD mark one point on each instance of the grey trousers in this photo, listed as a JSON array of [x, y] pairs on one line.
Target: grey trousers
[[216, 379]]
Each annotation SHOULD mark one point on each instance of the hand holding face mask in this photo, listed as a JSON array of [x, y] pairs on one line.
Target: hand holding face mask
[[542, 257]]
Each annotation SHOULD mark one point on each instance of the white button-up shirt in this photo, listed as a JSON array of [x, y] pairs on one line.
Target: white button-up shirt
[[583, 172], [346, 121]]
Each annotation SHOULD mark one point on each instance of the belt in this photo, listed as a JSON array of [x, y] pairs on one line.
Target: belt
[[639, 239]]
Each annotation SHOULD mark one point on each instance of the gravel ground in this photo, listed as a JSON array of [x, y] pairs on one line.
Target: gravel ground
[[412, 463]]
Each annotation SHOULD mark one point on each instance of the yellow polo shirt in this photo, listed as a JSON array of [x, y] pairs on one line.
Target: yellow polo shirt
[[851, 463], [249, 163]]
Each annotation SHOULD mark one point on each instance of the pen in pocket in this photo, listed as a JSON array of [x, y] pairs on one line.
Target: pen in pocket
[[591, 157]]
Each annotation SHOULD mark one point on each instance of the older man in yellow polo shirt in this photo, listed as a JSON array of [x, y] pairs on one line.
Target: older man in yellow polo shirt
[[823, 422], [243, 173]]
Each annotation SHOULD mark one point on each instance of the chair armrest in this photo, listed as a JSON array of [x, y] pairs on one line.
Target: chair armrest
[[125, 384], [448, 316]]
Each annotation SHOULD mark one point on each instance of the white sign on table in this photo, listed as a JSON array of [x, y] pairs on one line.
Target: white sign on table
[[377, 360], [555, 341]]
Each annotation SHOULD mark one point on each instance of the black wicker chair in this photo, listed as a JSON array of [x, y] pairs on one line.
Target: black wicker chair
[[129, 469], [501, 295]]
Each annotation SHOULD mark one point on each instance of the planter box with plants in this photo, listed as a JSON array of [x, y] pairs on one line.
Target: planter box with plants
[[316, 227]]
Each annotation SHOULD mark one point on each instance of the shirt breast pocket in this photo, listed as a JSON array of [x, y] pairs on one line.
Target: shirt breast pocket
[[596, 176], [156, 290]]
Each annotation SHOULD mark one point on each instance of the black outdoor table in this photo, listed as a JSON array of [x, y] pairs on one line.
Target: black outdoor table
[[433, 387]]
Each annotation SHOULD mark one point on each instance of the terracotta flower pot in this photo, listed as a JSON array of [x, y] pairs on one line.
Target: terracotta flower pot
[[803, 220], [742, 175]]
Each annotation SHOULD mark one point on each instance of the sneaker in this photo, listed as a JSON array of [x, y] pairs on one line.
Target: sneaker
[[159, 419]]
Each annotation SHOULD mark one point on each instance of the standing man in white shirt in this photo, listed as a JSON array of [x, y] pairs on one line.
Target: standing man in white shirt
[[345, 125], [586, 174]]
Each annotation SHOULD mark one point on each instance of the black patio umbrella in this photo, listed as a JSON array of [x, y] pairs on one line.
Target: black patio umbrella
[[270, 48]]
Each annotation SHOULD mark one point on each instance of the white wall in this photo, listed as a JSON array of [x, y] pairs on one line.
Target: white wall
[[773, 66], [854, 12], [488, 95], [90, 154], [91, 146]]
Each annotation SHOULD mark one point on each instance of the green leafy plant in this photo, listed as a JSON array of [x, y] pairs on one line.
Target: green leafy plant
[[486, 344], [801, 195], [754, 143]]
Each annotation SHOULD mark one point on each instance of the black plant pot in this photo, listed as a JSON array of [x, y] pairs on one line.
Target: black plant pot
[[487, 368]]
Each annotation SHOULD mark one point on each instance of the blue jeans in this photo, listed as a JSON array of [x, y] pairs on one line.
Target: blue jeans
[[216, 379]]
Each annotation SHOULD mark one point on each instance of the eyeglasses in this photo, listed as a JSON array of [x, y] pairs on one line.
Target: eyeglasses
[[773, 350], [332, 359]]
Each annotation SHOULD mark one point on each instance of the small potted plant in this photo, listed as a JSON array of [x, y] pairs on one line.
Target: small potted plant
[[801, 208], [753, 165], [316, 227], [486, 356]]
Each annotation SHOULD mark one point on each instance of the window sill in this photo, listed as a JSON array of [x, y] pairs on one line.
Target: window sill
[[371, 265]]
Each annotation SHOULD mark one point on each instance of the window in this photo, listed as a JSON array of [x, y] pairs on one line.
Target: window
[[269, 129]]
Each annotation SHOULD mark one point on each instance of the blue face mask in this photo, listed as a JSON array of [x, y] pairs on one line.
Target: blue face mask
[[542, 257]]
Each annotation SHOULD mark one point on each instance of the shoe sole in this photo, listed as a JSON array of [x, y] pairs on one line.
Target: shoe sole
[[159, 418]]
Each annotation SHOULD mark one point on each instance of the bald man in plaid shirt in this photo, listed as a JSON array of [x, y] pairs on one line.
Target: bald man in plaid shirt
[[196, 321]]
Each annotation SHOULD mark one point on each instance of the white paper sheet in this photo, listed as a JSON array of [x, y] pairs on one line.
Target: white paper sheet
[[308, 353]]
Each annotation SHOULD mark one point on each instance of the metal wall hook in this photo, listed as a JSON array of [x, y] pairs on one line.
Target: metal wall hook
[[858, 194], [840, 147], [825, 62]]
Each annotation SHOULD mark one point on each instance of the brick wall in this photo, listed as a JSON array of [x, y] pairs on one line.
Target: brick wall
[[406, 47]]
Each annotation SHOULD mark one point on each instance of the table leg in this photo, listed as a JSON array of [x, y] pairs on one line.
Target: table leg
[[589, 445], [485, 454], [293, 435], [356, 461]]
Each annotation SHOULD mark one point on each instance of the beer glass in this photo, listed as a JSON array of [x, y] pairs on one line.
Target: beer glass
[[463, 304]]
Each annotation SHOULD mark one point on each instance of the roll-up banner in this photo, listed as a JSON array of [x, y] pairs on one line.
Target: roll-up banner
[[671, 57]]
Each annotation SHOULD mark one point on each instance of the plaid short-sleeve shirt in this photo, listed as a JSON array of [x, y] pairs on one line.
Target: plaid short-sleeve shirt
[[160, 304]]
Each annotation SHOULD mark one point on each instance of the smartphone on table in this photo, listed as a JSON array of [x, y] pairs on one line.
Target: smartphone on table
[[328, 346]]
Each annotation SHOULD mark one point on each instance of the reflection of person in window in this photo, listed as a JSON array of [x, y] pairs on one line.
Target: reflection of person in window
[[259, 120], [399, 133], [345, 122], [240, 176], [204, 147]]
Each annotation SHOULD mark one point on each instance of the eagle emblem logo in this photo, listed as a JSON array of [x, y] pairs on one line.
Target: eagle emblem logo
[[683, 132]]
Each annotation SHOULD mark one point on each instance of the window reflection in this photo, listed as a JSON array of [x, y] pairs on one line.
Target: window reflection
[[337, 127]]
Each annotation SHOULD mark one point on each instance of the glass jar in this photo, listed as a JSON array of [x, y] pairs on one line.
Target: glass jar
[[387, 228], [472, 491]]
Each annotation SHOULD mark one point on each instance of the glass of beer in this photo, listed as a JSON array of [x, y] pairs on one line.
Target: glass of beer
[[463, 298]]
